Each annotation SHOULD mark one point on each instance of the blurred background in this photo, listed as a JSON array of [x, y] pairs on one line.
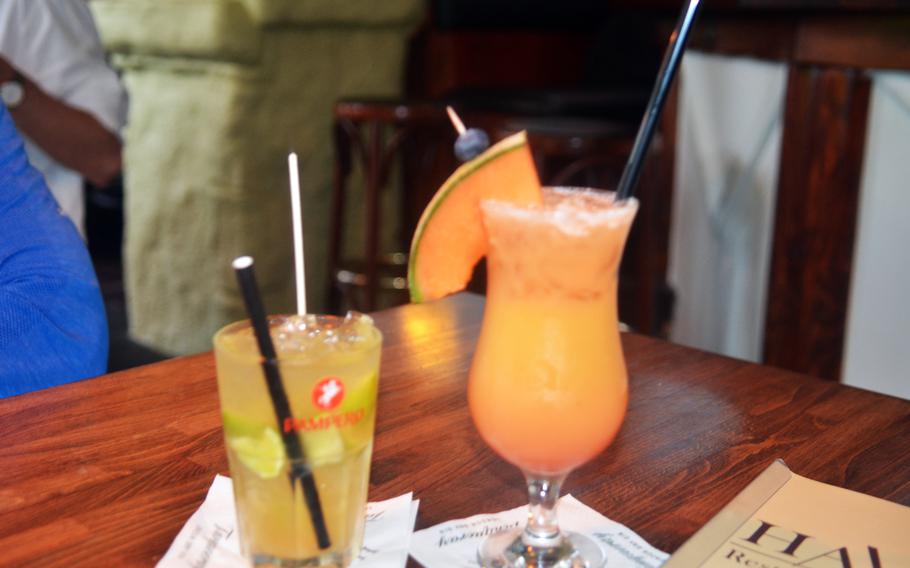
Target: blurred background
[[773, 201]]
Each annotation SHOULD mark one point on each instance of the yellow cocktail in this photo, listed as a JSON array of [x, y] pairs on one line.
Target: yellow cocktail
[[548, 385], [329, 368]]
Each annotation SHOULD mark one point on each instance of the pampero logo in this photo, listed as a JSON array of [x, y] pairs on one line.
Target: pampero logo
[[328, 393]]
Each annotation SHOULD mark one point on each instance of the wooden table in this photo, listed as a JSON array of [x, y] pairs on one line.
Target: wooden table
[[112, 467]]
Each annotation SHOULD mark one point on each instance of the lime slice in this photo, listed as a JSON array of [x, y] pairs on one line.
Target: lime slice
[[323, 446], [362, 395], [236, 425], [263, 454]]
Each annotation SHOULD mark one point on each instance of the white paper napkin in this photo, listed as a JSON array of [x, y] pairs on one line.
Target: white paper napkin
[[209, 537], [454, 544]]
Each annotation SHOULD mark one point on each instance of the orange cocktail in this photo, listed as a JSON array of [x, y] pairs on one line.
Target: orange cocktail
[[548, 386]]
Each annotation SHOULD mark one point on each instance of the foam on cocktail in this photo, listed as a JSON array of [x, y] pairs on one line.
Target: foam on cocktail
[[572, 242], [573, 211]]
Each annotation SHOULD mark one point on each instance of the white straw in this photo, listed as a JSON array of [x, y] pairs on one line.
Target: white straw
[[298, 233]]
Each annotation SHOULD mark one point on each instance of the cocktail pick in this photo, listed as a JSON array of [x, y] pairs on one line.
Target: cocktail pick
[[300, 472], [665, 75], [471, 142]]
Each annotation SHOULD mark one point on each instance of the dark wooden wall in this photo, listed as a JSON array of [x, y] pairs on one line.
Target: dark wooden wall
[[829, 53]]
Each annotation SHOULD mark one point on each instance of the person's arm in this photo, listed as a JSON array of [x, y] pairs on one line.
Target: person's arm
[[69, 135]]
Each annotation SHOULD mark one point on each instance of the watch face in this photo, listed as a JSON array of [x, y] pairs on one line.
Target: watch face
[[12, 93]]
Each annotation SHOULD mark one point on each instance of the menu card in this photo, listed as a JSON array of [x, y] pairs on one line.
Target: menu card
[[454, 544], [782, 520], [209, 537]]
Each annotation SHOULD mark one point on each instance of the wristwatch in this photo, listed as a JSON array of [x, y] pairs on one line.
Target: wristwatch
[[12, 91]]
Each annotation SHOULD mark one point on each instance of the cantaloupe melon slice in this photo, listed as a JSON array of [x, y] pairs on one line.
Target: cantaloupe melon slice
[[450, 238]]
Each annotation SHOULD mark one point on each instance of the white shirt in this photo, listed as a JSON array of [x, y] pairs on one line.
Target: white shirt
[[56, 45]]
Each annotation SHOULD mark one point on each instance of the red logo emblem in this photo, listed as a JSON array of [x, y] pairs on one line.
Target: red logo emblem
[[328, 393]]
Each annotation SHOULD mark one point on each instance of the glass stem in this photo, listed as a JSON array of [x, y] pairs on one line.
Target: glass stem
[[542, 529]]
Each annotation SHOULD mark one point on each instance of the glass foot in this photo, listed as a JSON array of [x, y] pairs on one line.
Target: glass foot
[[507, 550]]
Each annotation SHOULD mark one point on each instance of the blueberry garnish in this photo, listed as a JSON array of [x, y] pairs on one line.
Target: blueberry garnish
[[471, 143]]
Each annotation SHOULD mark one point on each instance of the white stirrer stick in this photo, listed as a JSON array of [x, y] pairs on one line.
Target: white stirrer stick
[[298, 233]]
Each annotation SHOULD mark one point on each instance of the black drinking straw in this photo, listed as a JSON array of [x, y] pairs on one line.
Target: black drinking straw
[[665, 76], [243, 266]]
